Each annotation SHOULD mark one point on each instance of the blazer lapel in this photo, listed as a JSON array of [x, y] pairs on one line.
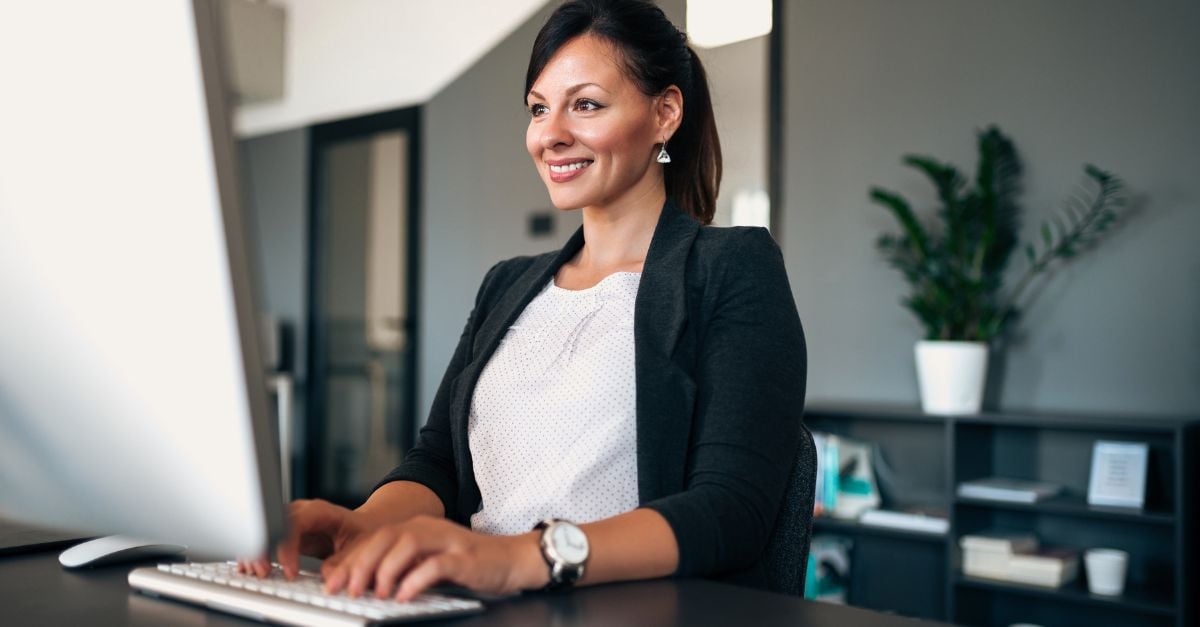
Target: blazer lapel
[[518, 296], [665, 393]]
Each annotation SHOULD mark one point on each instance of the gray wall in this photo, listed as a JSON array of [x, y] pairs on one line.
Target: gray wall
[[1106, 81], [479, 187], [275, 192], [274, 178]]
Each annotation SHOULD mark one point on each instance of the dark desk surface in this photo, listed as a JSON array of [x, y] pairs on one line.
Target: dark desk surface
[[35, 590]]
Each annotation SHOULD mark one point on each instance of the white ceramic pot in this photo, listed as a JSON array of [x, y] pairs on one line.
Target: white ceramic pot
[[951, 375]]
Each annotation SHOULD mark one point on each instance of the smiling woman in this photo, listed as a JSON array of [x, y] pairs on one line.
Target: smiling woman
[[626, 407]]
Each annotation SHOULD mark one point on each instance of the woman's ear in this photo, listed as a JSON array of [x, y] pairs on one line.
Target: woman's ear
[[668, 111]]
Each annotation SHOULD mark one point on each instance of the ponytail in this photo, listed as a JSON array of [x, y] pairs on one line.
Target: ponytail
[[693, 177]]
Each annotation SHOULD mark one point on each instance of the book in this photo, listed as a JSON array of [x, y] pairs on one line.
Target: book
[[988, 554], [998, 542], [845, 483], [1048, 567], [907, 520], [1008, 490]]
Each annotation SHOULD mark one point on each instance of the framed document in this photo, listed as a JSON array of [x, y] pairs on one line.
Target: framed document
[[1118, 474]]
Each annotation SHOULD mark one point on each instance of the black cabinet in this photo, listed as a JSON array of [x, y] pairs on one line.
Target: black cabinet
[[918, 574]]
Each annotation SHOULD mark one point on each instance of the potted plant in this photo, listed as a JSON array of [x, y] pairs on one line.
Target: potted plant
[[955, 261]]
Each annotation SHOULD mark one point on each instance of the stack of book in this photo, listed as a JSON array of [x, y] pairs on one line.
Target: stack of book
[[1017, 558], [1009, 490]]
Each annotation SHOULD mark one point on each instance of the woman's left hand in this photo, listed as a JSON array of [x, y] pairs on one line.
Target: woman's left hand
[[402, 560]]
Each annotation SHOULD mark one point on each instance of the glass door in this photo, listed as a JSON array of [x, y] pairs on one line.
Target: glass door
[[362, 357]]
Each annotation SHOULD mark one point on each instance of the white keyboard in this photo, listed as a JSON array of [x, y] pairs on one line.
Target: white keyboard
[[302, 601]]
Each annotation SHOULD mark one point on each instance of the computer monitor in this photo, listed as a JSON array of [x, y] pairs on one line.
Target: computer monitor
[[132, 399]]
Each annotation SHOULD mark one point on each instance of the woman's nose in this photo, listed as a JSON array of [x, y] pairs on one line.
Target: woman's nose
[[555, 132]]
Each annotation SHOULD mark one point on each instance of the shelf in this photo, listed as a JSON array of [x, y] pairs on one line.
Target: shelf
[[1079, 422], [884, 413], [1071, 505], [852, 527], [1097, 421], [1141, 600]]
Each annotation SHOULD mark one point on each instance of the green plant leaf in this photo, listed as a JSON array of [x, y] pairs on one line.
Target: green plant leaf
[[955, 265], [908, 220]]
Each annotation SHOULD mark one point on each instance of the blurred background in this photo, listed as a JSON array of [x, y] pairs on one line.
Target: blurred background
[[384, 165]]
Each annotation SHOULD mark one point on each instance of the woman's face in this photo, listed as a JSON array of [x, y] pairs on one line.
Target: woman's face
[[592, 133]]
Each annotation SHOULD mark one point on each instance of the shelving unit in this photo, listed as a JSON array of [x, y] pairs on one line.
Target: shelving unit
[[919, 574]]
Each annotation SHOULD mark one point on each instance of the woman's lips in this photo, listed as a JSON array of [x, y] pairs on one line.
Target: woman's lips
[[565, 170]]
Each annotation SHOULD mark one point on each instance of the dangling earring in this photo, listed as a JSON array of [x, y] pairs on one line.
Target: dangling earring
[[663, 157]]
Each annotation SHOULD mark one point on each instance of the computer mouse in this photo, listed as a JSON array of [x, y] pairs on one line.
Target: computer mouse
[[114, 550]]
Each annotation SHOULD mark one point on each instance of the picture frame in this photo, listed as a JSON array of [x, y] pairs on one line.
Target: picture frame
[[1118, 475]]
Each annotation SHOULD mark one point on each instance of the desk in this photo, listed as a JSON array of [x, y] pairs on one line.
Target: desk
[[35, 590]]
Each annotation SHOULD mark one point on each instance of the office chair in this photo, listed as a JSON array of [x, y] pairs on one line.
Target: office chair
[[786, 559]]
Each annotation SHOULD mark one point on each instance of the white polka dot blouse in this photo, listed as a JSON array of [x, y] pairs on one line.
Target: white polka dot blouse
[[553, 423]]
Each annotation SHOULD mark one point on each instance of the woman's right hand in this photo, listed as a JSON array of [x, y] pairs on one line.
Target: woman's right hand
[[315, 527]]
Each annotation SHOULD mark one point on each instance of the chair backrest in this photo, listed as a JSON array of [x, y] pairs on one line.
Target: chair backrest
[[786, 560]]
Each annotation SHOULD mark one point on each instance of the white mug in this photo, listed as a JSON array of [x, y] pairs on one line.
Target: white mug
[[1106, 571]]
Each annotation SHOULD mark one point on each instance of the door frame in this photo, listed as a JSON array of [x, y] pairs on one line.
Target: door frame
[[321, 137]]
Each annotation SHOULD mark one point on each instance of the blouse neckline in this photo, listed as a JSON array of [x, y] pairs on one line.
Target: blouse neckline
[[554, 286]]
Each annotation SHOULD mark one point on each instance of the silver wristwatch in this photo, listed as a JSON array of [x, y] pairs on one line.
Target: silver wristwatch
[[565, 549]]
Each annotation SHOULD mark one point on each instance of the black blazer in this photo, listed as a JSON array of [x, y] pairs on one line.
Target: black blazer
[[721, 367]]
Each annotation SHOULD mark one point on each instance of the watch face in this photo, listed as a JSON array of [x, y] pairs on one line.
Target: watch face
[[570, 543]]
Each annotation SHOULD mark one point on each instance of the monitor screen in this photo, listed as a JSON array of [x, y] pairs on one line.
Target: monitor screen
[[132, 399]]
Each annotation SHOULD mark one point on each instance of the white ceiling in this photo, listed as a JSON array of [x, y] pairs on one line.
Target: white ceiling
[[350, 57]]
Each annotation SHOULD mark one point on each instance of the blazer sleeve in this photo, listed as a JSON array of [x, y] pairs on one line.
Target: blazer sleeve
[[750, 376], [430, 462]]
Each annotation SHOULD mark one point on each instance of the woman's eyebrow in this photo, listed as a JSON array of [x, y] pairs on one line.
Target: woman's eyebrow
[[570, 90]]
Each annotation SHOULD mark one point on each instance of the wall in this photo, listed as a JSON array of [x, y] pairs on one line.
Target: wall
[[1105, 81], [274, 179], [737, 79]]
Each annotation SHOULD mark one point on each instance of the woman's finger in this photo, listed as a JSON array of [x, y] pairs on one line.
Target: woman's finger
[[400, 559], [248, 567], [438, 568], [307, 519], [359, 568], [335, 571]]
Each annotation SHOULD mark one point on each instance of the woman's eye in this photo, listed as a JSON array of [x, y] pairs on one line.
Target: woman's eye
[[587, 105], [537, 109]]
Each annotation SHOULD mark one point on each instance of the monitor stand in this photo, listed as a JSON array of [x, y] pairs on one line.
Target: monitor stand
[[116, 549]]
